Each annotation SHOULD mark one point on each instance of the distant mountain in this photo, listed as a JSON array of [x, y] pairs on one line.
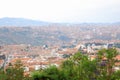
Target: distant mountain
[[20, 22]]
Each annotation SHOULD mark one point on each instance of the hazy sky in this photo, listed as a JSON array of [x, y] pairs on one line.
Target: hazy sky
[[62, 10]]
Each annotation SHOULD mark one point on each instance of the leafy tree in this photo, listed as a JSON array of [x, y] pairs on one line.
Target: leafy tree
[[106, 60], [51, 73], [15, 72], [68, 69], [85, 68], [3, 76]]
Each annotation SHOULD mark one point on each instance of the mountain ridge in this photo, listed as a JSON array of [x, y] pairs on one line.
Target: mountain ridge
[[24, 22], [6, 21]]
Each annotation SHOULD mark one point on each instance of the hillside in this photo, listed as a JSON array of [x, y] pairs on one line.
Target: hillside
[[55, 34], [25, 31]]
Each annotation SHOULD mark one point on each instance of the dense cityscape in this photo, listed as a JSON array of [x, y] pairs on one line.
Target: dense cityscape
[[38, 48]]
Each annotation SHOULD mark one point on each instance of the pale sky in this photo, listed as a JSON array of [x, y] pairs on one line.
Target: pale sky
[[62, 10]]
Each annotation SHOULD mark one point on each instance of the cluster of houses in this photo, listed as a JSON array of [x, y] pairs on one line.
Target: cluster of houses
[[91, 50], [93, 47], [35, 58]]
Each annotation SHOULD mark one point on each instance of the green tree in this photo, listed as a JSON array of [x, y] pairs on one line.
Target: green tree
[[84, 67], [106, 60], [3, 76], [15, 72], [51, 73]]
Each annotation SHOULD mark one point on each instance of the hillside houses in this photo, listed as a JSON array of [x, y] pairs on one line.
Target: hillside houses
[[40, 57]]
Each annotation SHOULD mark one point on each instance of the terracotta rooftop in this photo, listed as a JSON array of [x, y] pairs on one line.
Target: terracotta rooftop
[[118, 57]]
